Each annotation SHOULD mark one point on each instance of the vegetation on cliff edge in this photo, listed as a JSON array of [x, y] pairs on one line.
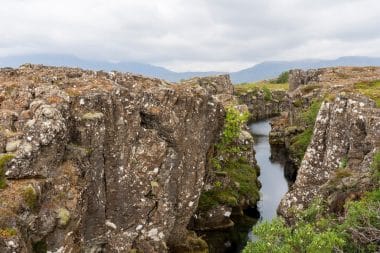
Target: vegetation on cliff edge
[[301, 141], [319, 230], [370, 89], [228, 162]]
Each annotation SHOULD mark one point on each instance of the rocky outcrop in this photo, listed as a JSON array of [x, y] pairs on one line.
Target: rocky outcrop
[[102, 162], [346, 135], [263, 104], [337, 76]]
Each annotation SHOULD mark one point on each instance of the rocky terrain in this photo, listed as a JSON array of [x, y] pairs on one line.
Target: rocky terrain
[[102, 162], [331, 112], [112, 162]]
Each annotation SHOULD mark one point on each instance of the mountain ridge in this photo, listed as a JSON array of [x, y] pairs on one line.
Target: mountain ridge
[[263, 70]]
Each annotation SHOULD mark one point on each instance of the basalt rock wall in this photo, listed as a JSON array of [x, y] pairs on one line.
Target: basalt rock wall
[[101, 162]]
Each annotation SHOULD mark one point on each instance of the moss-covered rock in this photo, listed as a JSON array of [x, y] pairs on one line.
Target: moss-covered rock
[[4, 159]]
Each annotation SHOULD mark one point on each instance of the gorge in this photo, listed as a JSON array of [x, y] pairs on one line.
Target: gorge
[[113, 162]]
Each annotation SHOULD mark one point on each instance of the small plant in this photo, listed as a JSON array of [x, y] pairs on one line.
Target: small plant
[[267, 94], [218, 184], [343, 162], [29, 195]]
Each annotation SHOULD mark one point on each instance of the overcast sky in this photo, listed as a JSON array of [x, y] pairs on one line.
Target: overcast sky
[[191, 34]]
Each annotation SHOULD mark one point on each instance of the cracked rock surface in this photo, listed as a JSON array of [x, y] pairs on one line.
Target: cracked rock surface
[[102, 162]]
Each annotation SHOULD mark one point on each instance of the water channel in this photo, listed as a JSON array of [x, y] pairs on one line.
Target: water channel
[[276, 175]]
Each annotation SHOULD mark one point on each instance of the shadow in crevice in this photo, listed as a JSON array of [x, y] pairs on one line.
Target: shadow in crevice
[[280, 155]]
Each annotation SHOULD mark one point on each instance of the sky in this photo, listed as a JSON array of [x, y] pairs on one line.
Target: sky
[[197, 35]]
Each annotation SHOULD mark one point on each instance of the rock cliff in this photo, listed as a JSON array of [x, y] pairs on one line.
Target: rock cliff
[[263, 104], [344, 136], [101, 162]]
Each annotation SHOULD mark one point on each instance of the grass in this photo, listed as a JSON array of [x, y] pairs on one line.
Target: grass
[[370, 89], [251, 87]]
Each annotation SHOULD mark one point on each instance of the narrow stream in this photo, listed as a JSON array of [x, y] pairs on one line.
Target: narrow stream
[[272, 177], [274, 171]]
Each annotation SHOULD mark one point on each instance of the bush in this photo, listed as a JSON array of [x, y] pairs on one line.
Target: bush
[[283, 77], [267, 94], [316, 231]]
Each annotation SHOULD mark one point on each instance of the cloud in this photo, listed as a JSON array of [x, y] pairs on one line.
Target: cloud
[[191, 35]]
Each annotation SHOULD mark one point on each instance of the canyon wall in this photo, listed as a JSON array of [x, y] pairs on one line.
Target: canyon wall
[[344, 136], [102, 162]]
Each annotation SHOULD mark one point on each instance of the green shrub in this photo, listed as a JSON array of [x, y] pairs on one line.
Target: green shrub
[[315, 231], [232, 128], [283, 77], [267, 94]]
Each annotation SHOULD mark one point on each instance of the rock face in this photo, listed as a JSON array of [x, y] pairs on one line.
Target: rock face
[[347, 131], [332, 76], [102, 162], [263, 106]]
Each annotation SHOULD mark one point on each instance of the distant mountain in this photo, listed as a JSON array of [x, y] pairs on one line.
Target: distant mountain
[[272, 69], [260, 71], [72, 61]]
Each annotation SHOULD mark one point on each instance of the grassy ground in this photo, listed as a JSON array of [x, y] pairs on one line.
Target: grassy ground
[[246, 87], [370, 89]]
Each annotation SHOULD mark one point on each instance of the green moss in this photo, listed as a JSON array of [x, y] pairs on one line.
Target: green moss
[[63, 216], [301, 141], [310, 115], [245, 186], [4, 159], [245, 176], [29, 195], [7, 232], [242, 177], [370, 89]]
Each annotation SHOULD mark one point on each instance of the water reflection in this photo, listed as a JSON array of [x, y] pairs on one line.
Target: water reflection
[[274, 184]]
